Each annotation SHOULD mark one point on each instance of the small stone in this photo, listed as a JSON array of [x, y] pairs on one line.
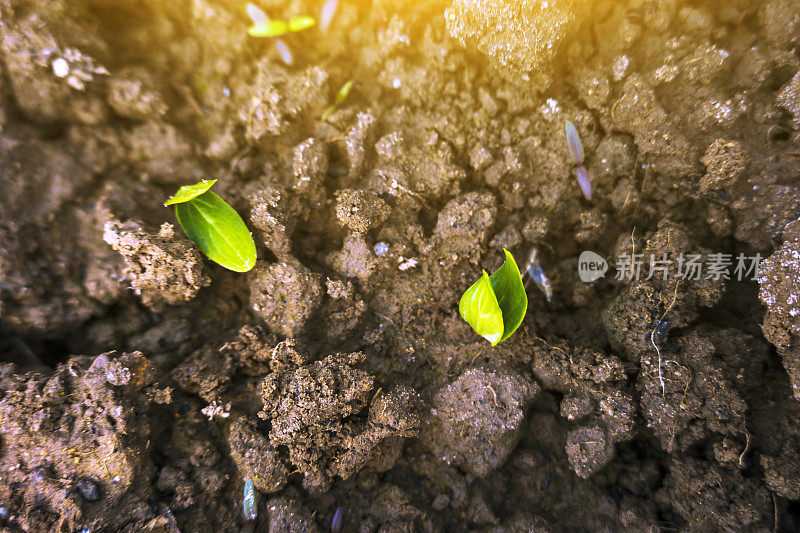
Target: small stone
[[381, 248], [60, 67], [88, 489]]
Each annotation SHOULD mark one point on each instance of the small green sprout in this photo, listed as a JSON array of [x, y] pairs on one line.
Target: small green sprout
[[214, 226], [340, 97], [301, 23], [495, 305], [276, 28]]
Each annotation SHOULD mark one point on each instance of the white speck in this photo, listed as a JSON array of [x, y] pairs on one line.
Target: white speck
[[396, 83], [256, 14], [328, 12], [215, 409], [408, 263], [381, 248], [620, 67], [550, 107], [60, 67], [226, 91], [284, 52]]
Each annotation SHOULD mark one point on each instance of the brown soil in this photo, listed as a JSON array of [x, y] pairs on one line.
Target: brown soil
[[141, 384]]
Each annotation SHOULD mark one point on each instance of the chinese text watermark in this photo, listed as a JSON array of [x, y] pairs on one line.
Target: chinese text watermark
[[713, 266]]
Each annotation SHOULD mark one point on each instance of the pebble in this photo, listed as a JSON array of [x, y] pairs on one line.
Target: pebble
[[60, 67], [89, 490]]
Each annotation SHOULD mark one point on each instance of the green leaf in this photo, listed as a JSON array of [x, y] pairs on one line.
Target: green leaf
[[269, 28], [340, 97], [511, 296], [218, 231], [187, 192], [343, 92], [301, 23], [479, 308], [329, 111]]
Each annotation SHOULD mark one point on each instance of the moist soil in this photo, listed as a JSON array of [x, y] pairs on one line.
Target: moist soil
[[141, 384]]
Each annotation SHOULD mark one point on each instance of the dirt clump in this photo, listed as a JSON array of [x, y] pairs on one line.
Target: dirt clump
[[359, 210], [272, 214], [589, 449], [312, 410], [279, 98], [284, 295], [48, 79], [762, 217], [75, 436], [522, 35], [256, 458], [594, 395], [645, 310], [132, 94], [789, 99], [411, 165], [648, 399], [779, 290], [655, 132], [475, 421], [725, 163], [713, 497], [287, 513], [162, 270]]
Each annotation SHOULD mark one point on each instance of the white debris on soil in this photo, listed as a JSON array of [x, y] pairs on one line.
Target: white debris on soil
[[60, 67], [216, 409], [76, 68], [405, 264]]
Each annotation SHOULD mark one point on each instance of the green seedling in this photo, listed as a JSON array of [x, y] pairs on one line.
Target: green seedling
[[495, 305], [340, 97], [214, 226], [276, 28]]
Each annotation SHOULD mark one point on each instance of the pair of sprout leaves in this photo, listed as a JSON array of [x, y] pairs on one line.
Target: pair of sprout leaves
[[214, 226], [263, 26], [495, 305], [276, 28]]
